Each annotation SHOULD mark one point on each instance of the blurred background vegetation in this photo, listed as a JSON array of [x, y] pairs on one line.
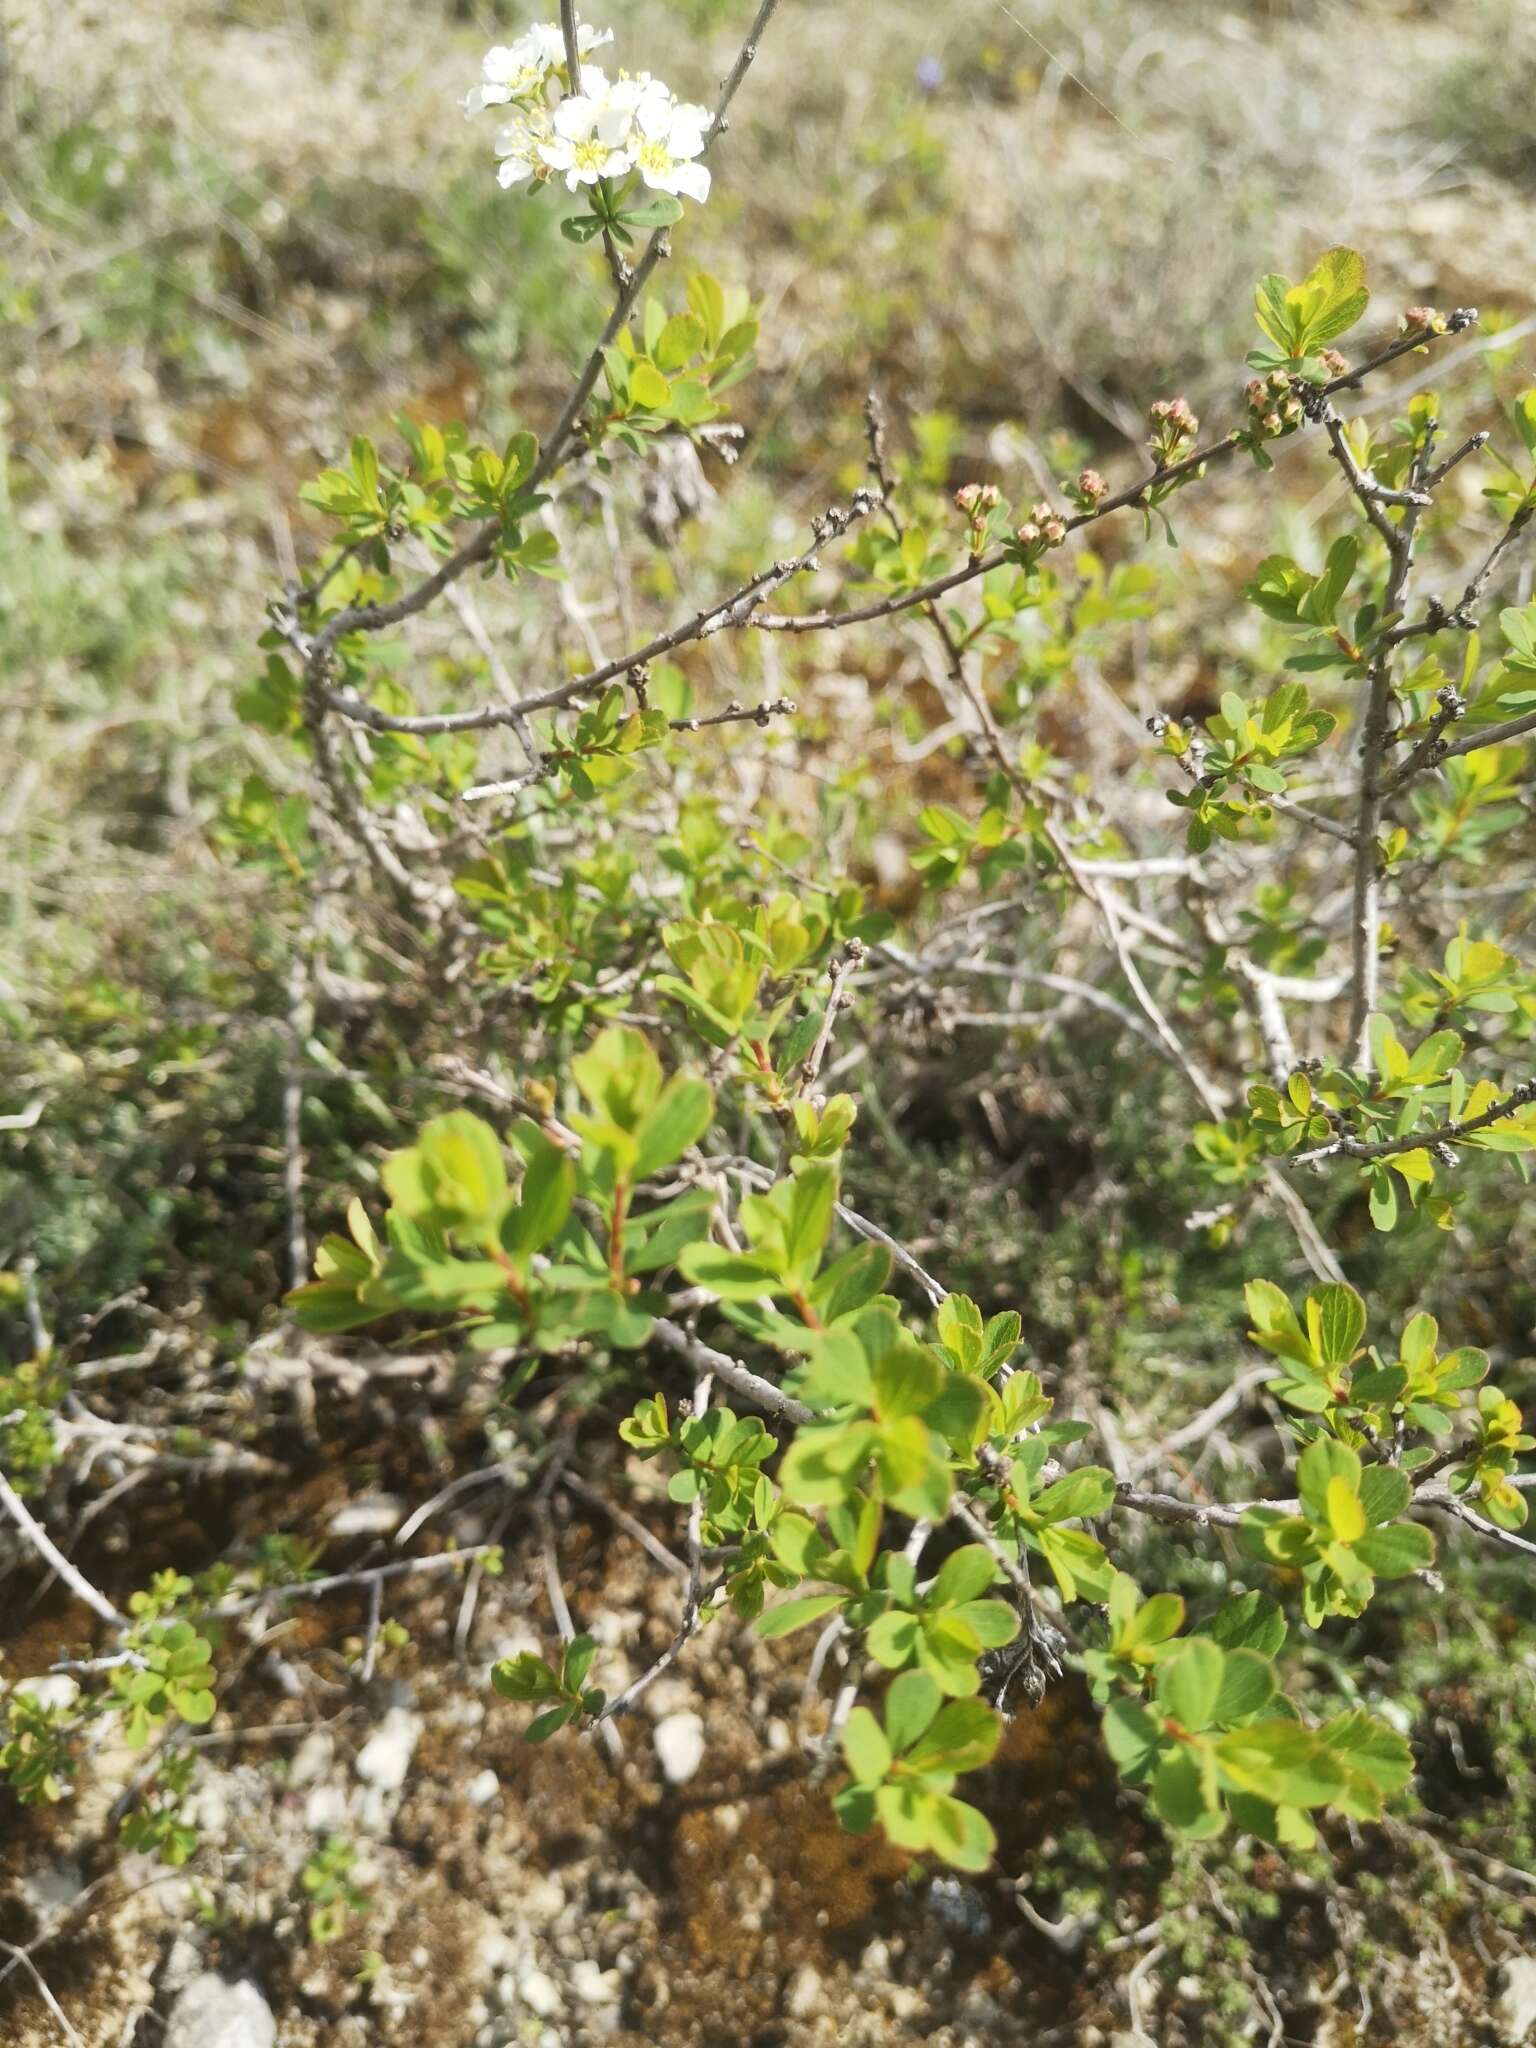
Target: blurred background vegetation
[[231, 235]]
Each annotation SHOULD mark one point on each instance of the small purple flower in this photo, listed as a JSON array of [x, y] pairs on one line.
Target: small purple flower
[[930, 74]]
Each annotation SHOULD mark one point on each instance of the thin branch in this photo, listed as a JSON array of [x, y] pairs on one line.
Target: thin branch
[[37, 1536], [1448, 1504], [340, 1582], [734, 609], [1492, 736], [981, 565], [740, 1378], [622, 1519], [1419, 1141], [1215, 1514]]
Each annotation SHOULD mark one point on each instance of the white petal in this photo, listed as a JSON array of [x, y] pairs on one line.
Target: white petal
[[544, 44], [692, 180], [612, 126], [688, 135], [653, 116], [513, 170], [576, 117]]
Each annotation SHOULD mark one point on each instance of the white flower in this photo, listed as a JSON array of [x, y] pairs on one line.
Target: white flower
[[591, 133], [518, 143], [512, 71], [520, 71], [631, 91], [669, 136]]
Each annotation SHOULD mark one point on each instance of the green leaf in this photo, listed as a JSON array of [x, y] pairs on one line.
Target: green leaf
[[647, 386], [1181, 1794], [963, 1737], [1088, 1491], [678, 343], [906, 1380], [1251, 1622], [732, 1276], [811, 1204], [1370, 1746], [1318, 1464], [961, 1835], [1332, 298], [910, 1706], [892, 1639], [662, 211], [867, 1752], [1189, 1681], [1342, 1323], [959, 1327], [1281, 1761], [1247, 1687], [1396, 1550], [964, 1575], [577, 1662], [1384, 1493], [544, 1201], [679, 1119], [784, 1619], [1132, 1736]]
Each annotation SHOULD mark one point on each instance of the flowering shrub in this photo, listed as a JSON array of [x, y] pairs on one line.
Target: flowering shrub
[[664, 978], [561, 116]]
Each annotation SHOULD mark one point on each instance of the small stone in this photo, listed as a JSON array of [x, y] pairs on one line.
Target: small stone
[[482, 1788], [60, 1690], [680, 1746], [803, 1994], [539, 1993], [312, 1759], [385, 1757], [592, 1985], [377, 1514], [325, 1809], [1514, 2012], [212, 2013]]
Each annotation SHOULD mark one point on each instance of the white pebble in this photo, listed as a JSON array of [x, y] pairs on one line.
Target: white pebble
[[385, 1757], [482, 1788], [680, 1746], [539, 1993]]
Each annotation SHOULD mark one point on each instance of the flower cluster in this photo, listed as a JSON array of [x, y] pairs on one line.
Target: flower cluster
[[1273, 407], [978, 502], [1425, 320], [1087, 489], [609, 129], [1172, 425], [1042, 529]]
